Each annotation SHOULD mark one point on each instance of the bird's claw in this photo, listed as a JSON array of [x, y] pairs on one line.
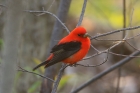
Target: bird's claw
[[72, 65]]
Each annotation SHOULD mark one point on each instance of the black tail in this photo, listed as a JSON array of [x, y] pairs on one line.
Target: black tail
[[42, 64]]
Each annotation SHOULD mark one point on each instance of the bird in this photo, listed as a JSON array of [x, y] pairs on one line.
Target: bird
[[70, 49]]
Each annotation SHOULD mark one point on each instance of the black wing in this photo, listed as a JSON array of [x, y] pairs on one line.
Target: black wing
[[63, 51]]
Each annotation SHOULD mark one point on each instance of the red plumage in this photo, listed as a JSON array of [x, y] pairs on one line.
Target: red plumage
[[71, 49]]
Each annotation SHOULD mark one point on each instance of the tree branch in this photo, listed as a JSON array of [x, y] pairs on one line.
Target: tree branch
[[113, 67], [23, 70], [46, 12], [11, 34], [115, 31], [58, 78]]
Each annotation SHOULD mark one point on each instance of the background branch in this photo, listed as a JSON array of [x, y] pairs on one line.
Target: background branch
[[11, 35], [60, 74], [115, 31], [124, 35], [47, 12], [24, 70], [113, 67], [82, 13]]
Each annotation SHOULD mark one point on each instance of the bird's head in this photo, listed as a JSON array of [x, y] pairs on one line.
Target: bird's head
[[80, 33]]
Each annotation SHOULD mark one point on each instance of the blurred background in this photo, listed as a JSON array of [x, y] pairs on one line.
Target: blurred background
[[100, 16]]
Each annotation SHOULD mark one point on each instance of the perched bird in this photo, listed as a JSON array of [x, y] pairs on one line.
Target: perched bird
[[71, 49]]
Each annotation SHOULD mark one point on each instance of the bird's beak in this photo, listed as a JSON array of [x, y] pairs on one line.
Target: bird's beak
[[86, 35]]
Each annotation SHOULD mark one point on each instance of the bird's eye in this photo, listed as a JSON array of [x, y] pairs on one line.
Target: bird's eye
[[79, 34]]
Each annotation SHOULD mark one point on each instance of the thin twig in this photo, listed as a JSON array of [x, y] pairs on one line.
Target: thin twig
[[124, 35], [118, 39], [115, 31], [97, 64], [82, 13], [94, 48], [109, 39], [23, 70], [132, 45], [131, 17], [51, 5], [124, 55], [46, 12], [93, 55], [100, 52], [118, 43], [133, 37]]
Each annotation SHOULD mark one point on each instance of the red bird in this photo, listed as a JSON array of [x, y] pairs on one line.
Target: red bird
[[70, 49]]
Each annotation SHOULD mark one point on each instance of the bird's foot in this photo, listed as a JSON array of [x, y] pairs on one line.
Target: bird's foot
[[72, 65]]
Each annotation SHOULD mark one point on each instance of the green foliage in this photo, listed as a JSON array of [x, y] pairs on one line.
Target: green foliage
[[64, 80], [138, 62], [34, 86], [109, 11]]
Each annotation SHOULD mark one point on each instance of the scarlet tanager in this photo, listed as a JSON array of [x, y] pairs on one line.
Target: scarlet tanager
[[71, 49]]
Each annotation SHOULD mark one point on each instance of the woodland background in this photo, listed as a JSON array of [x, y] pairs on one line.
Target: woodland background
[[26, 37]]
